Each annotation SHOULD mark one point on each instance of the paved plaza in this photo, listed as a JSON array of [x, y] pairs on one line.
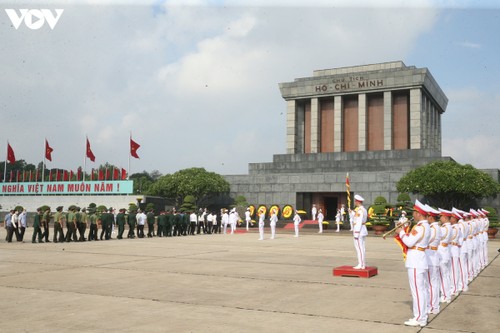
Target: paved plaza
[[224, 283]]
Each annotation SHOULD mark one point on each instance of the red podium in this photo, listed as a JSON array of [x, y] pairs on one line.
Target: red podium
[[367, 272]]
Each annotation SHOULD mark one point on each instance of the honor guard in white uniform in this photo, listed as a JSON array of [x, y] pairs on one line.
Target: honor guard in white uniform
[[456, 243], [247, 217], [445, 255], [296, 223], [321, 217], [417, 241], [463, 279], [359, 231], [272, 221], [433, 276], [262, 216], [314, 210]]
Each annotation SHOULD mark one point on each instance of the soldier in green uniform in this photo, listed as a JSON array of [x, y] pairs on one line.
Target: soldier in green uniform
[[150, 218], [45, 223], [37, 223], [59, 220], [131, 221], [81, 223], [71, 224], [120, 221], [110, 224], [162, 222], [168, 224], [93, 224], [104, 223], [176, 220]]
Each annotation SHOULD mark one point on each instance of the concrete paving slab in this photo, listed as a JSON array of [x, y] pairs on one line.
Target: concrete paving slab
[[223, 283]]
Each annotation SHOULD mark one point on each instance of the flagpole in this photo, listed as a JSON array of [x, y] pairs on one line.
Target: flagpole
[[5, 166], [348, 190], [44, 158], [85, 158], [129, 150]]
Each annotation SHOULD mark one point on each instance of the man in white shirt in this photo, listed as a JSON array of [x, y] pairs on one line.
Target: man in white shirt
[[262, 216], [296, 223], [141, 221]]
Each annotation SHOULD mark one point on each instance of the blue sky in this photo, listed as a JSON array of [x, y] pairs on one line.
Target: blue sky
[[196, 82]]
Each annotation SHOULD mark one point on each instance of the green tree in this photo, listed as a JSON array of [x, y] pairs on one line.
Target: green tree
[[449, 184], [142, 182], [197, 182]]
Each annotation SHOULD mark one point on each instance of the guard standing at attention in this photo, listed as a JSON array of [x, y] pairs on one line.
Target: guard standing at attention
[[120, 222]]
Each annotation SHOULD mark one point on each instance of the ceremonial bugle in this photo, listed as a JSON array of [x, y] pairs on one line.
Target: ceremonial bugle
[[400, 224]]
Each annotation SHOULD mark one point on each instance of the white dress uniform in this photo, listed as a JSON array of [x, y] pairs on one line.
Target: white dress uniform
[[296, 223], [360, 232], [434, 281], [321, 217], [247, 218], [233, 218], [416, 263], [337, 220], [314, 210], [456, 243], [463, 280], [273, 219], [225, 221], [445, 259], [261, 225]]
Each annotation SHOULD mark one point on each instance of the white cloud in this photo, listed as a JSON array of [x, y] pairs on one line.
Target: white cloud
[[196, 85], [469, 45]]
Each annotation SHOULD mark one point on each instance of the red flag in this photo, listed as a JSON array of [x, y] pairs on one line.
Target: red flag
[[48, 151], [11, 175], [133, 148], [116, 174], [90, 154], [57, 175], [107, 174], [124, 174], [71, 175], [101, 175], [65, 175], [17, 176], [31, 177], [10, 154], [92, 174], [78, 174], [50, 175]]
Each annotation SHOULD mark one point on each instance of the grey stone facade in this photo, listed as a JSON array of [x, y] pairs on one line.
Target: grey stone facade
[[301, 179]]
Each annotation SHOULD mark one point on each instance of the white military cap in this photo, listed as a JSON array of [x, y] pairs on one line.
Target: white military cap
[[357, 197], [419, 207]]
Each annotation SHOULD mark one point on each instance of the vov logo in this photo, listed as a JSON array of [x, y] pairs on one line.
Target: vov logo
[[34, 19]]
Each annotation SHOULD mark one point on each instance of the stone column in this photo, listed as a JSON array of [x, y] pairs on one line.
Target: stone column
[[362, 122], [291, 127], [387, 120], [337, 123], [315, 126], [415, 119]]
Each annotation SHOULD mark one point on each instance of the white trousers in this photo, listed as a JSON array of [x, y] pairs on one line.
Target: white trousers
[[261, 230], [445, 277], [320, 225], [463, 266], [247, 221], [273, 230], [359, 245], [455, 275], [225, 227], [433, 286], [296, 226], [417, 278], [233, 227]]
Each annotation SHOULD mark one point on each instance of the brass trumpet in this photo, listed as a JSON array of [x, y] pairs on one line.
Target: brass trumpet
[[397, 226]]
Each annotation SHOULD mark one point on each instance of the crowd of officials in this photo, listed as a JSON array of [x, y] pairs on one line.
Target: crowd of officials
[[78, 225]]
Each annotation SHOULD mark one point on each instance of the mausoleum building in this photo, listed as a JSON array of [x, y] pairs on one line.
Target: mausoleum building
[[375, 122]]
